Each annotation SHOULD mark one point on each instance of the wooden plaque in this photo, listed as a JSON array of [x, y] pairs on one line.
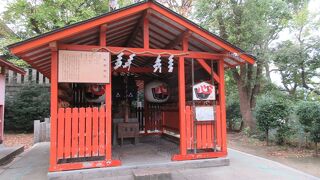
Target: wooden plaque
[[205, 113], [84, 67], [203, 91]]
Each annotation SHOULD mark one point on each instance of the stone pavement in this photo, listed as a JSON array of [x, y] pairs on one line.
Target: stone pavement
[[33, 165], [30, 165], [8, 153]]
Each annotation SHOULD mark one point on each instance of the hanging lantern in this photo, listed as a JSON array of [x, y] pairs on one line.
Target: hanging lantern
[[156, 92], [95, 93]]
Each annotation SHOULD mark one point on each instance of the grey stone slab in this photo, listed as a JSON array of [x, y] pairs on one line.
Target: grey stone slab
[[8, 153]]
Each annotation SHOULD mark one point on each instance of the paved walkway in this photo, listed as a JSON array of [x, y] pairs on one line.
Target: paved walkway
[[30, 165], [33, 165]]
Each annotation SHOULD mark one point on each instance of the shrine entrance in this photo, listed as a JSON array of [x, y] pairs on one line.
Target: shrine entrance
[[140, 73], [145, 113]]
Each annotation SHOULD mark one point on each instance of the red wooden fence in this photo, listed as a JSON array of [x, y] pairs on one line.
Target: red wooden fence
[[171, 121], [204, 131], [81, 133]]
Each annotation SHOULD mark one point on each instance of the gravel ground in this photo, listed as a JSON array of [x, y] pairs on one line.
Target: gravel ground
[[300, 159], [12, 139]]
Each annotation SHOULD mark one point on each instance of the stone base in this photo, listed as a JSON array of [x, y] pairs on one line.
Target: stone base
[[139, 172]]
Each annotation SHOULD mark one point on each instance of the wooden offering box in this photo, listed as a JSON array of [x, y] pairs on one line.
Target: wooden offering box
[[128, 130]]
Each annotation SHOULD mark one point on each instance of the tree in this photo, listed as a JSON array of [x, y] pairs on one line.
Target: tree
[[298, 58], [30, 18], [252, 25], [271, 112], [308, 115], [182, 7]]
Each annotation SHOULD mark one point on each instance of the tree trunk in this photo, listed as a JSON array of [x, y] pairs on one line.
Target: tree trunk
[[245, 108], [316, 149], [267, 68], [267, 137]]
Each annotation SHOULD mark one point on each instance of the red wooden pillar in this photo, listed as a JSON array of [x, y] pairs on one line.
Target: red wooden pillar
[[108, 89], [182, 106], [108, 86], [182, 103], [222, 100], [53, 106]]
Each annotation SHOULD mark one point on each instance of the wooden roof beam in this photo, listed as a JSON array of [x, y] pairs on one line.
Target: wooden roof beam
[[208, 69], [138, 27], [178, 39]]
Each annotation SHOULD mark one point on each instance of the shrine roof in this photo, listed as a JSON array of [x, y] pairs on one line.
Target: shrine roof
[[124, 30], [10, 66]]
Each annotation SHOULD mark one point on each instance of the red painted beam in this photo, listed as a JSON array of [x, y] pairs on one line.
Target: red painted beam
[[140, 70], [208, 69], [143, 52]]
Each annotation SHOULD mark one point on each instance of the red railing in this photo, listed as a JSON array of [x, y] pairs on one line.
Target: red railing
[[171, 120], [205, 131], [81, 135]]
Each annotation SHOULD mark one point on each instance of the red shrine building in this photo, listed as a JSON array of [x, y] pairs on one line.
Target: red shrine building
[[135, 72], [4, 66]]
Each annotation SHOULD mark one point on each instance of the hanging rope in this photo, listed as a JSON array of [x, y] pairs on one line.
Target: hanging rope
[[137, 53]]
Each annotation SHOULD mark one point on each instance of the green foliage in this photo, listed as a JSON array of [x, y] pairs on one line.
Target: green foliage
[[284, 132], [315, 131], [234, 118], [233, 115], [272, 112], [297, 59], [308, 113], [30, 104], [252, 25], [36, 17]]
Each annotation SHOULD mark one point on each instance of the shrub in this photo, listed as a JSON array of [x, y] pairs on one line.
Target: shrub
[[271, 112], [284, 131], [234, 120], [315, 134], [308, 114], [31, 103]]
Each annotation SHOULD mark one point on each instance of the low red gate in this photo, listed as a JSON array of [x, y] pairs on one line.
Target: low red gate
[[82, 138], [207, 132]]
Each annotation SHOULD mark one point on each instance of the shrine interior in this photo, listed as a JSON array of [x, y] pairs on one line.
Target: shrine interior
[[144, 102]]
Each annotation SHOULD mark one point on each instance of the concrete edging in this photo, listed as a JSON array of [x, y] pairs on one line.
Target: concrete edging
[[129, 170]]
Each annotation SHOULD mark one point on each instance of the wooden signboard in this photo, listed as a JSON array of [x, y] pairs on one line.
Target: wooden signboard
[[84, 67], [204, 113], [203, 91]]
